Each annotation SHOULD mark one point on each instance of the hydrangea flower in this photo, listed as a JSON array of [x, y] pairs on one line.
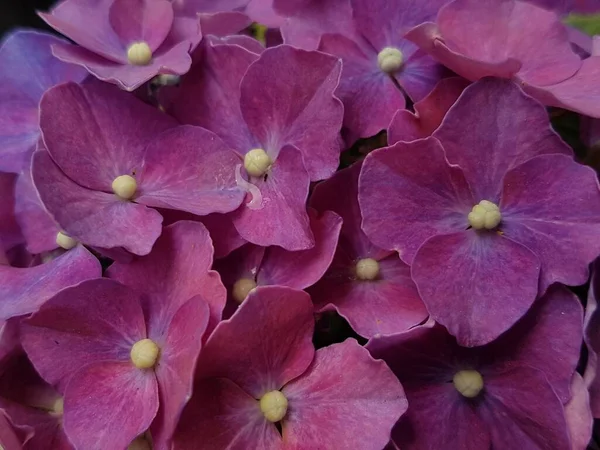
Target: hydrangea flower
[[32, 403], [496, 212], [134, 354], [251, 266], [24, 290], [126, 42], [380, 65], [369, 286], [101, 197], [271, 374], [522, 42], [283, 124], [507, 394], [27, 69]]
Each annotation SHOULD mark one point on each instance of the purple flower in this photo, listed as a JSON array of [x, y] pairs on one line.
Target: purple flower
[[369, 286], [135, 156], [24, 290], [27, 70], [496, 212], [380, 65], [507, 394], [126, 42], [516, 40], [251, 266], [283, 123], [271, 374]]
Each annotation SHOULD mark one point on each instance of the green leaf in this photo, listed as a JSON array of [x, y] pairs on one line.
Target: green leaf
[[589, 23]]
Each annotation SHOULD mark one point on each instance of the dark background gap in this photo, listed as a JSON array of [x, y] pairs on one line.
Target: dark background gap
[[22, 14]]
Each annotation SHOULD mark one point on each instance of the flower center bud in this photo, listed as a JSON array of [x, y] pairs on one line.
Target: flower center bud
[[274, 406], [242, 288], [468, 382], [140, 443], [257, 162], [144, 354], [65, 241], [367, 269], [124, 186], [390, 59], [485, 215], [139, 54], [59, 407]]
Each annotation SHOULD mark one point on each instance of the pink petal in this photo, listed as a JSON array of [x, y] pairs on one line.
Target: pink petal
[[197, 175], [281, 219], [551, 205], [113, 126], [224, 23], [177, 269], [303, 268], [592, 342], [406, 199], [298, 109], [268, 341], [141, 20], [346, 399], [510, 129], [11, 437], [429, 112], [93, 217], [108, 404], [491, 284], [221, 415], [98, 320], [24, 290], [175, 369]]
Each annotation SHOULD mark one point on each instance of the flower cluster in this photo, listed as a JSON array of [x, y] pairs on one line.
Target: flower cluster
[[299, 224]]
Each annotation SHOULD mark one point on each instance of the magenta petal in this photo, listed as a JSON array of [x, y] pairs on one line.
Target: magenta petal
[[522, 411], [282, 218], [551, 205], [112, 126], [592, 342], [429, 112], [268, 341], [125, 401], [510, 127], [224, 23], [224, 235], [303, 268], [221, 415], [214, 83], [370, 97], [177, 269], [346, 399], [141, 20], [98, 320], [405, 199], [492, 283], [197, 174], [95, 218], [298, 109], [175, 368], [579, 415], [23, 291], [38, 228], [436, 418], [10, 232]]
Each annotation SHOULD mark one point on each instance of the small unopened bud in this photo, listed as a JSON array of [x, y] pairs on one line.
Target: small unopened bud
[[274, 406], [257, 162], [390, 59], [485, 215], [242, 288], [468, 382], [139, 54], [58, 407], [144, 354], [124, 186], [367, 269], [65, 241]]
